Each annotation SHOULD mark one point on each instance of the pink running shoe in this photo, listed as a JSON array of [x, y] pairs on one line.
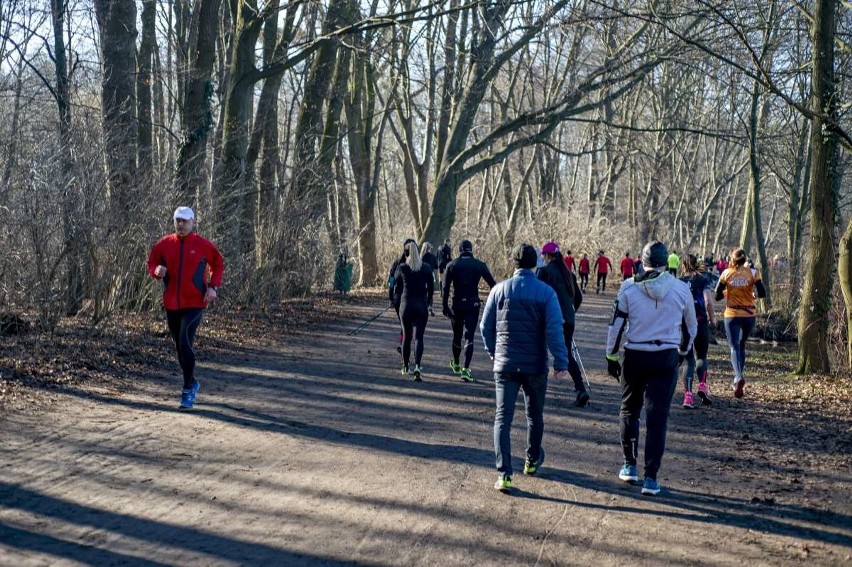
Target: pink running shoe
[[704, 394], [688, 402], [739, 386]]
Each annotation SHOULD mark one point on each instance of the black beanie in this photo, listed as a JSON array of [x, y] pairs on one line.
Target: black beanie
[[465, 246], [655, 254], [524, 256]]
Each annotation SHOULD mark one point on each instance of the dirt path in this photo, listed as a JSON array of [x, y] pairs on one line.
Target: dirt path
[[323, 454]]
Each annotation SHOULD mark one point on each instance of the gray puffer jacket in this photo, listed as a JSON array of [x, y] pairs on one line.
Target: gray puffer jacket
[[521, 320]]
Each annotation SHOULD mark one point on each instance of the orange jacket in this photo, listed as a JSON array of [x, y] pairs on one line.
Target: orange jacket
[[192, 265]]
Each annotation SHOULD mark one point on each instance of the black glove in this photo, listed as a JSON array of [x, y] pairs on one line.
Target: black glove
[[448, 313], [613, 367]]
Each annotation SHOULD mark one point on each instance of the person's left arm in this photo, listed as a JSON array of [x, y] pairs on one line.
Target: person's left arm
[[617, 326], [555, 333], [486, 275], [758, 284]]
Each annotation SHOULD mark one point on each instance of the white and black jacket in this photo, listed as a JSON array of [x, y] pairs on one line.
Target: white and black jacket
[[653, 311]]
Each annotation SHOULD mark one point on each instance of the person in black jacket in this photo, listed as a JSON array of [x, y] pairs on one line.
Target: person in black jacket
[[391, 275], [430, 258], [463, 275], [445, 256], [414, 285], [556, 275]]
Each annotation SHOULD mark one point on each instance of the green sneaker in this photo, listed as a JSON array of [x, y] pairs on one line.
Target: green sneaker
[[455, 367], [466, 376], [503, 484], [530, 467]]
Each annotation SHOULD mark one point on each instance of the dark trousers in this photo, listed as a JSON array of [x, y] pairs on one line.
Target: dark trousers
[[649, 378], [601, 285], [698, 353], [464, 322], [584, 280], [507, 385], [182, 326], [573, 367], [413, 318]]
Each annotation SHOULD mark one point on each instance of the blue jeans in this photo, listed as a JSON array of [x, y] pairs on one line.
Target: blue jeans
[[738, 329], [507, 385]]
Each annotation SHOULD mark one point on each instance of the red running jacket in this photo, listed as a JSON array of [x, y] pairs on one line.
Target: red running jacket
[[192, 265]]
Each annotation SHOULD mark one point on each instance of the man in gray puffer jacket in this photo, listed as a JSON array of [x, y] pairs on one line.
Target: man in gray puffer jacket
[[521, 321]]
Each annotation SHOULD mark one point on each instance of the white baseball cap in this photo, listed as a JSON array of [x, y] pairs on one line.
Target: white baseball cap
[[184, 213]]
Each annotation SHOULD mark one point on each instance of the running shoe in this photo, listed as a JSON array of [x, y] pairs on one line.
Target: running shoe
[[418, 376], [628, 473], [503, 484], [455, 367], [530, 467], [466, 375], [582, 399], [186, 399], [405, 370], [704, 394], [738, 387], [196, 385], [651, 487], [688, 401]]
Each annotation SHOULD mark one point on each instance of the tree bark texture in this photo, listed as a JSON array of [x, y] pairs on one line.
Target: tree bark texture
[[117, 23], [816, 297]]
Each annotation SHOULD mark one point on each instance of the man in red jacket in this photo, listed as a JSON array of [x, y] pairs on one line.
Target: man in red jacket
[[627, 266], [191, 269], [602, 266]]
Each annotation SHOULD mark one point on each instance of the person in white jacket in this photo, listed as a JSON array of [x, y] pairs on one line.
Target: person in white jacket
[[655, 316]]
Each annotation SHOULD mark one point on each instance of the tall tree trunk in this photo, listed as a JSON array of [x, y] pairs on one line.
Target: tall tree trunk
[[70, 202], [117, 23], [816, 297], [196, 96], [144, 83], [844, 277]]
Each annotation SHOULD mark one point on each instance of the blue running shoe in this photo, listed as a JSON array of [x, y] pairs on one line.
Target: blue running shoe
[[196, 385], [651, 487], [628, 473], [187, 399]]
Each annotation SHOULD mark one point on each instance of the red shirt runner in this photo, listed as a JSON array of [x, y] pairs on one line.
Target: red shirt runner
[[569, 262], [627, 266], [584, 265]]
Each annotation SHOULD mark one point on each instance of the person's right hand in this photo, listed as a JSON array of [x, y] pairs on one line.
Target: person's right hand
[[160, 271], [560, 374], [613, 367]]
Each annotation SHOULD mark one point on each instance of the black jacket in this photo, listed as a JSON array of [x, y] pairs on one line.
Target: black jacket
[[445, 256], [463, 274], [552, 276], [429, 258], [412, 287]]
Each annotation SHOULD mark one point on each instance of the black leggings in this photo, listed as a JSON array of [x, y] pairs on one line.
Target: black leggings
[[601, 285], [699, 352], [573, 367], [464, 325], [584, 280], [413, 318], [182, 325]]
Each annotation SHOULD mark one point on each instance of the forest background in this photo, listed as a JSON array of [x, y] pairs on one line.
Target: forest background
[[301, 130]]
